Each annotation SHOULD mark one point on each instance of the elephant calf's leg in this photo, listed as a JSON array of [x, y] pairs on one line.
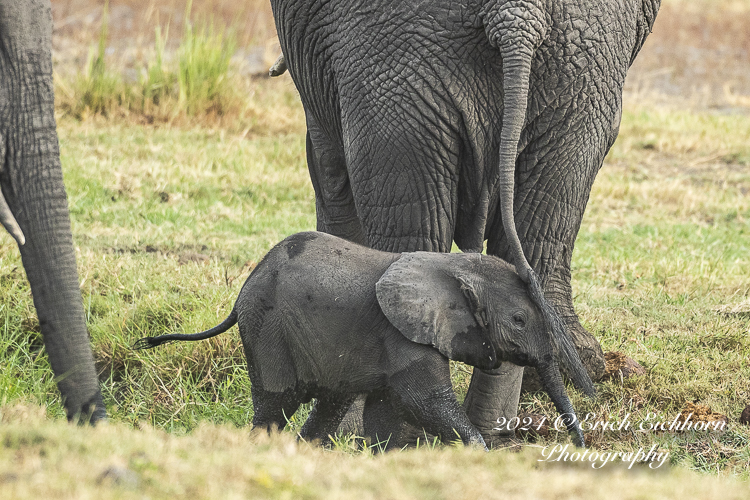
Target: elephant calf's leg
[[385, 427], [422, 393], [492, 402], [273, 409], [440, 414], [325, 418]]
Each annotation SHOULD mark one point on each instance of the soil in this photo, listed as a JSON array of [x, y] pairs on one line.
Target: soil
[[532, 426], [745, 417], [700, 413], [619, 366]]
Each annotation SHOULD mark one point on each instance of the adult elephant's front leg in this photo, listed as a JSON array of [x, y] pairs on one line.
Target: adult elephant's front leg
[[492, 402]]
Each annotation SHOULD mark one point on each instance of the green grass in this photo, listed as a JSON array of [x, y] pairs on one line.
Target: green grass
[[203, 74], [169, 220], [199, 82]]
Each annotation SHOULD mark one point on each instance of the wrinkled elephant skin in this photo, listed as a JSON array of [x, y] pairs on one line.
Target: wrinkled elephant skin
[[321, 317], [469, 121], [34, 206]]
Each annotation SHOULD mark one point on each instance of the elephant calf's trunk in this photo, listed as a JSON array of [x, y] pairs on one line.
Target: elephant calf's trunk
[[553, 384]]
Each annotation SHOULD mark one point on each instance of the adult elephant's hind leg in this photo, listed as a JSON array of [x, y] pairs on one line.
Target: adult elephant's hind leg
[[404, 179], [550, 203], [334, 203], [560, 294]]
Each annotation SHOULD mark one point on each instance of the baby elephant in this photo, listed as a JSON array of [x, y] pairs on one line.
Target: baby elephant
[[321, 317]]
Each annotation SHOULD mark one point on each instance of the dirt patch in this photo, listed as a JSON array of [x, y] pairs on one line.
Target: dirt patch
[[185, 254], [188, 257], [619, 366], [693, 413], [745, 417]]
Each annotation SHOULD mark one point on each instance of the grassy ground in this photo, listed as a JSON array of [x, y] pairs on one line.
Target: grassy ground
[[42, 459], [170, 217]]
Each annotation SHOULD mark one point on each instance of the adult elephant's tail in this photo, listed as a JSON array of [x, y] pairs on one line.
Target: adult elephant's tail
[[151, 342], [517, 29]]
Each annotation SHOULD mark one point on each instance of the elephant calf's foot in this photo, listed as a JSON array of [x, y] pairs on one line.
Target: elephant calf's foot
[[352, 422], [324, 419]]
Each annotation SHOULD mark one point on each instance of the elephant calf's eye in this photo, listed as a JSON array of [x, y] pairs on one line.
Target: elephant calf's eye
[[519, 319]]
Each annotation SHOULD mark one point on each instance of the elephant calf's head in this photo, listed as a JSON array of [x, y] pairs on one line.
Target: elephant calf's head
[[475, 309]]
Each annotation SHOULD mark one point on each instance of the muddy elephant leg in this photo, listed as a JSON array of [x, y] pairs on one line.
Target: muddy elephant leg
[[352, 422], [437, 412], [273, 409], [492, 401], [381, 423], [386, 428], [325, 418]]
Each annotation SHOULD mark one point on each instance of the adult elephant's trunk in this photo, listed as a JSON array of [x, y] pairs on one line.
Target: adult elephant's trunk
[[32, 184], [50, 263], [553, 384], [517, 29]]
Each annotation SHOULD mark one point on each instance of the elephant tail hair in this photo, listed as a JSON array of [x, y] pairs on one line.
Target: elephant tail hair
[[151, 342]]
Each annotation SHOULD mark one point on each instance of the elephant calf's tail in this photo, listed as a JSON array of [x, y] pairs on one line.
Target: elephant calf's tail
[[151, 342]]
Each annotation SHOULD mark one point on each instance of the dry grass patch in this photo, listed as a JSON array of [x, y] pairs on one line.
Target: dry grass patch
[[699, 53], [54, 460]]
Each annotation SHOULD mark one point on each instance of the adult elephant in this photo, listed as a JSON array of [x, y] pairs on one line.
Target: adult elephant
[[33, 204], [469, 121]]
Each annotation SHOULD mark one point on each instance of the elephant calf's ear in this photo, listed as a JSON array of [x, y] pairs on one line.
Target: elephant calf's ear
[[421, 295]]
